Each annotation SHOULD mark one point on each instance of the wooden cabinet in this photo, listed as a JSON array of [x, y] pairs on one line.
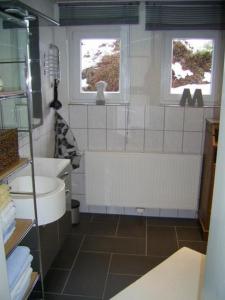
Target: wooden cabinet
[[208, 173]]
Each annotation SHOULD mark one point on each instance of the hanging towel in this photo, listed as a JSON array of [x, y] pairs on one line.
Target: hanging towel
[[15, 263], [65, 143]]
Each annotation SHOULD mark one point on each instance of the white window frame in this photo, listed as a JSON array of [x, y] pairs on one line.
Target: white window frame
[[76, 34], [166, 66]]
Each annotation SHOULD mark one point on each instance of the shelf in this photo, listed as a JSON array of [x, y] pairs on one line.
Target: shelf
[[22, 162], [33, 281], [23, 226], [12, 94], [12, 61]]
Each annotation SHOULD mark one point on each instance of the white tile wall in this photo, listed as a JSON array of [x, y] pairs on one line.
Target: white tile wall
[[192, 142], [78, 116], [154, 117], [173, 141], [116, 117], [81, 138], [193, 119], [97, 139], [174, 118], [78, 183], [153, 141], [136, 117], [135, 141], [96, 116], [115, 140]]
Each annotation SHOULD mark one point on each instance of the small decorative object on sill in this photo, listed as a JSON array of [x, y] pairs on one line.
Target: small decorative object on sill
[[100, 97], [186, 98], [1, 85], [8, 148], [197, 98]]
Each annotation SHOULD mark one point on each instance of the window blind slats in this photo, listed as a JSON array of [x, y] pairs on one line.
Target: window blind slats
[[99, 13], [207, 15]]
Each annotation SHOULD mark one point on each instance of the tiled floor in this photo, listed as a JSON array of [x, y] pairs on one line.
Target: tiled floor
[[105, 253]]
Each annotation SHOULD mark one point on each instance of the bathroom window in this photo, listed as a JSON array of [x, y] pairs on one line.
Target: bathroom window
[[98, 54], [100, 61], [190, 61]]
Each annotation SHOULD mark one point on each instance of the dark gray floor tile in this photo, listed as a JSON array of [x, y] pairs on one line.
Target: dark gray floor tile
[[67, 297], [89, 275], [85, 217], [132, 226], [94, 228], [161, 241], [157, 221], [133, 264], [68, 252], [189, 234], [55, 280], [116, 283], [103, 218], [114, 244], [197, 246]]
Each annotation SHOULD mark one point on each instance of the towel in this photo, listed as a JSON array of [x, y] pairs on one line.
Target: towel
[[15, 263], [65, 143], [4, 196], [20, 289], [7, 215], [9, 231]]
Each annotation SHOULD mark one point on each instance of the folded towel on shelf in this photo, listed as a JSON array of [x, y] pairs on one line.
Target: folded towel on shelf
[[4, 196], [65, 142], [7, 215], [15, 263], [21, 287], [9, 231]]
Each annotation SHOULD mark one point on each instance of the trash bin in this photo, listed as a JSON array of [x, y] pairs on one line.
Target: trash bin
[[75, 214]]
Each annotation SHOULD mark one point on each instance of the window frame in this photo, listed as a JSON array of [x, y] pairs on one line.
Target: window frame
[[77, 34], [166, 67]]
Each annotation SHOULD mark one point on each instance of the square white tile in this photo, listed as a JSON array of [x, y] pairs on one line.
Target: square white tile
[[115, 140], [168, 213], [78, 184], [97, 139], [81, 138], [154, 117], [78, 116], [193, 119], [152, 212], [136, 116], [116, 117], [173, 141], [192, 142], [174, 118], [153, 141], [96, 116], [135, 141]]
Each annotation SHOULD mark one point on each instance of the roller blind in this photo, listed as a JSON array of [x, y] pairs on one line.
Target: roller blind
[[182, 15], [98, 13]]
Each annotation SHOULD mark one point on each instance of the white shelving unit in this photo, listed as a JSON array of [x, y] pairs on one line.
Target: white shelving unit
[[22, 226]]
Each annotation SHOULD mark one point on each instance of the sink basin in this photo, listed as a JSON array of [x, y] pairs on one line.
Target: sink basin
[[51, 201]]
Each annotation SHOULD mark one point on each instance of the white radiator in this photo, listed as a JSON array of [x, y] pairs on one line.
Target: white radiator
[[148, 180]]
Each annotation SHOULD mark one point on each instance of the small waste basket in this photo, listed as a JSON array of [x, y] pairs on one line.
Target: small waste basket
[[75, 214]]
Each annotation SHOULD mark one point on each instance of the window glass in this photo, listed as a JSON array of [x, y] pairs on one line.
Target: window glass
[[191, 65], [100, 61]]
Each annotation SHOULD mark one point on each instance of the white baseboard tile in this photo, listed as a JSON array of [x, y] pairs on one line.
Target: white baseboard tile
[[152, 212], [97, 209], [168, 213], [187, 213], [114, 210]]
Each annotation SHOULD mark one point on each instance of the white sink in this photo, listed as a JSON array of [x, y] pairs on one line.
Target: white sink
[[51, 201]]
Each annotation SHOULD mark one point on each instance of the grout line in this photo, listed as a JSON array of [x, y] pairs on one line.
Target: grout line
[[81, 296], [176, 237], [74, 261], [146, 236], [131, 275], [107, 275], [117, 227]]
